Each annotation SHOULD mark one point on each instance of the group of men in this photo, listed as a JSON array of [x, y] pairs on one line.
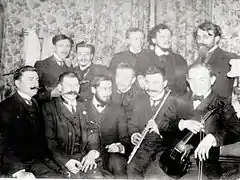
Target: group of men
[[84, 121]]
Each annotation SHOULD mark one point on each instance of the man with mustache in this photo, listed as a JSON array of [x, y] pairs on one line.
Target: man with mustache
[[69, 138], [109, 120], [24, 150], [86, 69], [49, 69], [207, 37], [174, 64]]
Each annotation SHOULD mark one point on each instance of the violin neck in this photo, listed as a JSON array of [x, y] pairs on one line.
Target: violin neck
[[187, 137]]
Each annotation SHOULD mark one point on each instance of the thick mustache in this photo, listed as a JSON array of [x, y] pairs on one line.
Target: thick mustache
[[72, 92], [35, 87], [148, 90]]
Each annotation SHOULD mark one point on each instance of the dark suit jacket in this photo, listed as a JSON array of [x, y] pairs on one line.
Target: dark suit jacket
[[22, 129], [219, 60], [111, 124], [61, 132], [223, 123], [86, 78], [49, 72]]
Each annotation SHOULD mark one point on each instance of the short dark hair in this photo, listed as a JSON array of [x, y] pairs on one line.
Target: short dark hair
[[98, 79], [209, 26], [84, 44], [59, 37], [130, 30], [19, 72], [67, 74], [155, 70], [124, 65], [201, 64], [153, 32]]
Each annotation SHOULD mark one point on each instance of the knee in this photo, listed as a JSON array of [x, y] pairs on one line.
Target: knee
[[117, 164]]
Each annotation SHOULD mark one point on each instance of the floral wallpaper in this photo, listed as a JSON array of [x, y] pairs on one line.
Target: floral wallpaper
[[104, 23]]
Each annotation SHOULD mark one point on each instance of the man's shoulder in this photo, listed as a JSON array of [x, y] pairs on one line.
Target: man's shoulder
[[10, 103], [226, 54], [44, 63], [178, 57]]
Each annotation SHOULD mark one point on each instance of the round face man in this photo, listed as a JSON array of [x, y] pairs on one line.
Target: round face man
[[69, 87], [62, 48], [206, 40], [28, 83], [124, 79], [84, 56], [200, 80], [103, 92], [163, 39], [155, 85], [135, 40]]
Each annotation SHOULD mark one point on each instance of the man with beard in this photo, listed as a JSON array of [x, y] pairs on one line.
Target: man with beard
[[69, 138], [207, 37], [125, 89], [162, 132], [174, 64], [137, 57], [109, 120], [24, 152], [50, 68], [86, 69]]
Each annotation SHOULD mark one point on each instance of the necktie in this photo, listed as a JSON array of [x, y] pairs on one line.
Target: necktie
[[197, 98], [71, 105], [29, 102]]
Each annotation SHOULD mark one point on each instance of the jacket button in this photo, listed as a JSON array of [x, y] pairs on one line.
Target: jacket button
[[69, 133]]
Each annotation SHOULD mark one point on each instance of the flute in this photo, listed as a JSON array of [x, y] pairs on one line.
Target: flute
[[145, 131]]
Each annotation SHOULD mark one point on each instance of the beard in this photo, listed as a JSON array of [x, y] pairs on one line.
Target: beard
[[164, 49], [101, 101], [203, 49]]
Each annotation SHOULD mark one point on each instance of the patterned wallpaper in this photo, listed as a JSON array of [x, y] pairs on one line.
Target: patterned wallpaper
[[104, 22]]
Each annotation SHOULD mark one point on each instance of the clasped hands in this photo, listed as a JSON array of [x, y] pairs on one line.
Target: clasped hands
[[87, 163], [202, 150]]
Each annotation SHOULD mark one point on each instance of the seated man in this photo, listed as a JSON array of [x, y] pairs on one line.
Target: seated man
[[23, 145], [72, 144], [163, 130], [86, 69], [109, 120], [125, 89]]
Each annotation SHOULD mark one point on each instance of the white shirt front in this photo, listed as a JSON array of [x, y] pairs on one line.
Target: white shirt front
[[197, 103], [97, 105], [70, 104], [58, 59], [156, 100]]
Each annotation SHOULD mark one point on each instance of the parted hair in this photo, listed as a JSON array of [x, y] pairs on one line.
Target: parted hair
[[60, 37], [84, 44], [19, 72], [201, 65], [130, 30], [69, 74]]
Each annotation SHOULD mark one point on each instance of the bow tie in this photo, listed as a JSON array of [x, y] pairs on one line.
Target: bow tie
[[100, 105], [197, 98]]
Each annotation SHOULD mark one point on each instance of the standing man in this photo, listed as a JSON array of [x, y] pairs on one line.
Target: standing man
[[50, 68], [137, 57], [174, 64], [72, 144], [109, 120], [23, 147], [208, 36], [86, 69]]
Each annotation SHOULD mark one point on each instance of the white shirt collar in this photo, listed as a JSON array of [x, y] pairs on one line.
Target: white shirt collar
[[159, 52], [121, 92], [132, 51], [73, 102], [197, 102], [58, 59], [96, 105], [85, 67], [24, 96], [213, 48]]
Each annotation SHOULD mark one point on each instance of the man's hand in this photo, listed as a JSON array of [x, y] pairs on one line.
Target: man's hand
[[55, 92], [23, 175], [74, 166], [135, 138], [153, 127], [115, 148], [88, 161], [191, 125], [202, 151]]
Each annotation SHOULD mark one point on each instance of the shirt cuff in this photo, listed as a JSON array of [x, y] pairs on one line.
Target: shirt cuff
[[212, 139], [16, 174], [121, 148], [95, 153], [180, 125]]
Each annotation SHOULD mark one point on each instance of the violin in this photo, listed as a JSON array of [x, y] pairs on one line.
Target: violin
[[176, 162]]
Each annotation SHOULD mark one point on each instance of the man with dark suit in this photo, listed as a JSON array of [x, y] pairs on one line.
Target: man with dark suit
[[86, 69], [109, 120], [208, 36], [23, 146], [125, 89], [137, 57], [162, 132], [221, 128], [174, 64], [49, 69], [73, 145]]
